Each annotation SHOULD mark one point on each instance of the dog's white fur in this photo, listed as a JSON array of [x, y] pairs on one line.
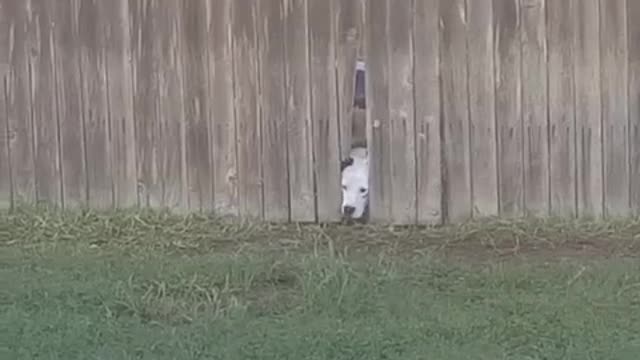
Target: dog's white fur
[[355, 184]]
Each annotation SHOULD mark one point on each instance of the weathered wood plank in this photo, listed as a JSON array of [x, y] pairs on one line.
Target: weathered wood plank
[[196, 102], [69, 96], [588, 105], [534, 107], [146, 59], [120, 101], [324, 108], [454, 76], [300, 129], [508, 106], [613, 77], [274, 111], [6, 188], [222, 121], [377, 100], [427, 111], [171, 126], [94, 104], [633, 12], [560, 20], [44, 110], [401, 114], [349, 15], [482, 116], [16, 91], [247, 112]]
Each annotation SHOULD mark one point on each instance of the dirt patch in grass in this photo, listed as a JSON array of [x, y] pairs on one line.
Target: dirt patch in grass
[[476, 241]]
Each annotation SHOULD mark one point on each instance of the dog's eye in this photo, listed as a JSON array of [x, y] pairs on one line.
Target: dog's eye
[[363, 190]]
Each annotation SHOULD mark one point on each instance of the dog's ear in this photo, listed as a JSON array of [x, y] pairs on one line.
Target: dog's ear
[[346, 163]]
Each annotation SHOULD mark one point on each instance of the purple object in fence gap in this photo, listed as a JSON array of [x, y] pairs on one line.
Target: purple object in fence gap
[[359, 98]]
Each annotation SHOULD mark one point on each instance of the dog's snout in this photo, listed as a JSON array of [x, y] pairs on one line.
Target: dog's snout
[[348, 210]]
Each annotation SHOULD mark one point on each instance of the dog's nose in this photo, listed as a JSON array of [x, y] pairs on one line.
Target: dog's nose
[[348, 210]]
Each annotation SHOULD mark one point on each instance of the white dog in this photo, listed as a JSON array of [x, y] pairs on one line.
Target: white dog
[[355, 184]]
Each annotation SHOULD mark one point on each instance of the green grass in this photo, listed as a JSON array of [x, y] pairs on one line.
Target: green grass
[[149, 285]]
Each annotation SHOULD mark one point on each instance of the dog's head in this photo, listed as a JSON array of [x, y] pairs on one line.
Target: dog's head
[[355, 186]]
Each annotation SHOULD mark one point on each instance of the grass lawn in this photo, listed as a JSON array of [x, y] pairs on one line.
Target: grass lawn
[[134, 285]]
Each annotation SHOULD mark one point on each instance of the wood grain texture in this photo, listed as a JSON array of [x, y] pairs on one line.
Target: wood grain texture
[[588, 105], [118, 69], [534, 107], [69, 102], [222, 120], [94, 104], [177, 180], [454, 90], [615, 110], [427, 111], [401, 114], [562, 140], [273, 109], [145, 65], [633, 33], [377, 99], [43, 104], [324, 108], [6, 186], [247, 111], [195, 66], [482, 116], [509, 106], [16, 91], [300, 129], [350, 37]]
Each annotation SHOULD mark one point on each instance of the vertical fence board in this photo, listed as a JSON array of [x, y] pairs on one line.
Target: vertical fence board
[[633, 12], [120, 101], [534, 107], [588, 119], [401, 115], [349, 25], [300, 131], [222, 122], [613, 61], [247, 111], [196, 102], [483, 145], [6, 191], [274, 112], [94, 99], [324, 108], [560, 20], [455, 113], [378, 126], [145, 92], [508, 106], [427, 111], [68, 89], [16, 91], [170, 148], [43, 104]]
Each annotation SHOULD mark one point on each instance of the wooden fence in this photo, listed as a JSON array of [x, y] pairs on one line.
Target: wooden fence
[[245, 107]]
